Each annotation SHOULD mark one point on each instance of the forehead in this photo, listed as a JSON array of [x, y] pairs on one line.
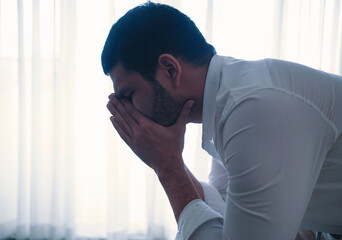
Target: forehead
[[124, 80], [118, 75]]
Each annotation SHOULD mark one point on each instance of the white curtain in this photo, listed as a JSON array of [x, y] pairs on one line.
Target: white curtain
[[64, 172]]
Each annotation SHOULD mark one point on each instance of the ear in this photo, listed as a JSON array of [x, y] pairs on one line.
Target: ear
[[170, 69]]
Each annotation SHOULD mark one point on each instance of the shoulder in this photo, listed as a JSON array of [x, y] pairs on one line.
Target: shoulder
[[272, 118]]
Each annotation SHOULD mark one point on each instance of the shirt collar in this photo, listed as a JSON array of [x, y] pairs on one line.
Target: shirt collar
[[212, 83]]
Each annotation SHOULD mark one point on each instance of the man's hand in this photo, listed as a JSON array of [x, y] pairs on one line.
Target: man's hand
[[158, 146]]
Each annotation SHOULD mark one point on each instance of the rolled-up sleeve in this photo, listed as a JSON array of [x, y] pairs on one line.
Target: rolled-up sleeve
[[195, 214]]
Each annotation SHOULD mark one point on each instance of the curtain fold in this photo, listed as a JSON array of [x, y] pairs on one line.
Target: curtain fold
[[42, 90], [64, 172], [309, 32]]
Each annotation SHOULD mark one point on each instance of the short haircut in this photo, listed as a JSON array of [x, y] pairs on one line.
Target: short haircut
[[145, 32]]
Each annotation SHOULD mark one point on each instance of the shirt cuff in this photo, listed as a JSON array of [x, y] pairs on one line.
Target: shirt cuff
[[194, 215], [213, 198]]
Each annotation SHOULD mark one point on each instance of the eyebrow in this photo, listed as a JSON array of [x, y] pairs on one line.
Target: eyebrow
[[121, 93]]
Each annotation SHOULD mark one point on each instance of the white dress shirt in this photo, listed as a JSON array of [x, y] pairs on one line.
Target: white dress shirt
[[274, 131]]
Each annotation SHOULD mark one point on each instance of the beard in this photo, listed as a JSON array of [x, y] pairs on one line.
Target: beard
[[165, 109]]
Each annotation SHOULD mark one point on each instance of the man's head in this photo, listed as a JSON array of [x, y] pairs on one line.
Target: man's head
[[136, 43]]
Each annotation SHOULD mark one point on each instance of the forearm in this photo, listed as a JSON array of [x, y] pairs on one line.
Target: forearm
[[159, 147], [197, 184], [179, 187]]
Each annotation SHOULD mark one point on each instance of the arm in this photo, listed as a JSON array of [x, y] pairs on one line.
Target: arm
[[218, 183], [218, 177], [274, 146], [160, 148], [179, 188], [197, 184]]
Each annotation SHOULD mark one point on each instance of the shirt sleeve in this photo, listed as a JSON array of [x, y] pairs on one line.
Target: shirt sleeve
[[218, 177], [273, 145], [195, 214], [213, 198], [215, 192]]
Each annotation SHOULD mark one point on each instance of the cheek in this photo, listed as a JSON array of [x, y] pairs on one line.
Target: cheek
[[143, 105], [143, 98]]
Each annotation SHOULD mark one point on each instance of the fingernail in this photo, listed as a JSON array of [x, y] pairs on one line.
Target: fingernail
[[190, 104]]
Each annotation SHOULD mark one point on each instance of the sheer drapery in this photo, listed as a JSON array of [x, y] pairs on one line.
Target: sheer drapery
[[37, 74], [64, 172]]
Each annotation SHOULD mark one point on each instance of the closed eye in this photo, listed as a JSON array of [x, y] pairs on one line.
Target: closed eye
[[129, 97], [122, 93]]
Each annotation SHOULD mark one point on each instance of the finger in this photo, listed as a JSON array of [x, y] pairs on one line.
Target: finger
[[119, 119], [122, 110], [183, 116], [135, 114], [120, 131], [111, 108]]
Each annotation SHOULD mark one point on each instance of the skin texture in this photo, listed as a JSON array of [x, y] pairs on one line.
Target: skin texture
[[152, 121], [165, 109]]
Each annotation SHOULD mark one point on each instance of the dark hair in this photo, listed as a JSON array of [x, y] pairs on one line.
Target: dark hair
[[145, 32]]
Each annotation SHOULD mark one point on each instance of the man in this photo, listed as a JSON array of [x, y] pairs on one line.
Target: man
[[272, 127]]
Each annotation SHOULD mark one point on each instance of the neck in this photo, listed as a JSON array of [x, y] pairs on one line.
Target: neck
[[196, 78]]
